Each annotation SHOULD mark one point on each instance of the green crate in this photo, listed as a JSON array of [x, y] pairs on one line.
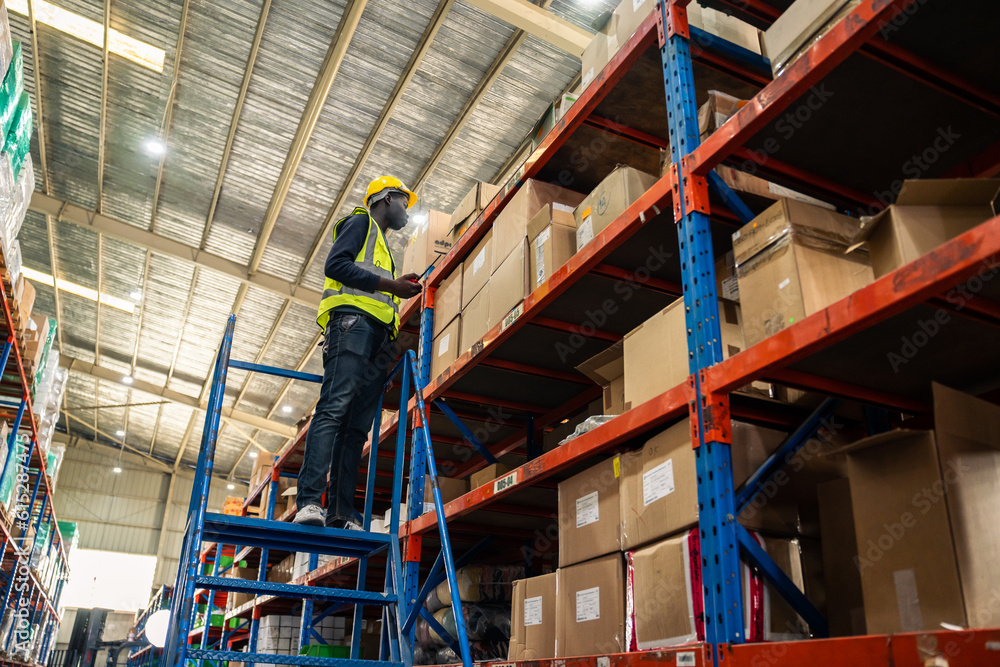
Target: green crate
[[327, 651], [18, 141]]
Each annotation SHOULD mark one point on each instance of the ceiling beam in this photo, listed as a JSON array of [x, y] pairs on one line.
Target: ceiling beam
[[537, 21], [115, 377], [492, 74], [168, 112], [68, 212], [317, 99], [417, 57], [237, 110], [102, 133]]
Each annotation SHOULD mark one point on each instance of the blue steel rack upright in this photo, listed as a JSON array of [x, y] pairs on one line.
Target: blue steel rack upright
[[400, 601]]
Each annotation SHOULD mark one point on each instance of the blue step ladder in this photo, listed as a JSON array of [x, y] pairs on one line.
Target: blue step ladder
[[399, 609]]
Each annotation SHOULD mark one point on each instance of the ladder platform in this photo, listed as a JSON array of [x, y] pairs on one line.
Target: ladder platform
[[289, 537], [298, 592], [269, 658]]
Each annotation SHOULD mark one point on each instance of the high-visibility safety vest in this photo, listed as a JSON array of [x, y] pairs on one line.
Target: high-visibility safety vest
[[376, 258]]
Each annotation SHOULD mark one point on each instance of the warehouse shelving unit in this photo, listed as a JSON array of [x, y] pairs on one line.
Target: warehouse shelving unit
[[887, 64], [23, 591]]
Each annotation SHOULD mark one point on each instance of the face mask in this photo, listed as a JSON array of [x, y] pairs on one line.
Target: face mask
[[396, 217]]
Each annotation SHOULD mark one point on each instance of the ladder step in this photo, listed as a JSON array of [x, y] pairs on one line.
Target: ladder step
[[270, 658], [285, 536], [293, 591]]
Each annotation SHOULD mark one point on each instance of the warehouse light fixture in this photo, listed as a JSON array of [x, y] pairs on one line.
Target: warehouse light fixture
[[136, 295], [91, 32], [127, 379], [120, 433], [155, 147], [230, 487], [420, 218], [252, 455], [286, 409], [117, 469], [79, 290]]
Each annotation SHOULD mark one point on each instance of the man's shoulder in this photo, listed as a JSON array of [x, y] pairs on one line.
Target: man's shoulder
[[354, 221]]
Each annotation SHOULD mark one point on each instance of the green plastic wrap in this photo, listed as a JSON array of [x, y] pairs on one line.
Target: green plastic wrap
[[18, 142], [44, 359], [11, 90]]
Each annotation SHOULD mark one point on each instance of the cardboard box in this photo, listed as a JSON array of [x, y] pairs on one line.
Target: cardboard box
[[488, 474], [726, 285], [844, 602], [599, 51], [511, 226], [664, 580], [509, 283], [533, 618], [552, 115], [589, 513], [659, 494], [590, 607], [656, 352], [25, 306], [475, 320], [607, 369], [444, 349], [793, 261], [477, 269], [615, 194], [477, 199], [429, 243], [925, 517], [448, 300], [925, 215], [450, 488], [552, 242], [775, 620], [799, 26]]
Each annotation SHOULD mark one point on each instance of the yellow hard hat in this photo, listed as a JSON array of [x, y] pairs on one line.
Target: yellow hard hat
[[388, 182]]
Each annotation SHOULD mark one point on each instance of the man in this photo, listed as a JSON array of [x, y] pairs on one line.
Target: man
[[359, 315]]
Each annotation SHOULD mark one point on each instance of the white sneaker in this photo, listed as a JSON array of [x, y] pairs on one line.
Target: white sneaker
[[311, 515]]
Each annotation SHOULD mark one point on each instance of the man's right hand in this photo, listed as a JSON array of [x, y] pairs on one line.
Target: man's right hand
[[404, 287]]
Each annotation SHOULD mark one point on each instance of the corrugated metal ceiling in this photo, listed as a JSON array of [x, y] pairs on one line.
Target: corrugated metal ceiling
[[171, 337]]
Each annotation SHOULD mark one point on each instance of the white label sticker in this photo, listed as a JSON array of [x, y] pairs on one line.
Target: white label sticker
[[636, 4], [478, 262], [658, 482], [584, 233], [504, 483], [686, 659], [533, 611], [586, 510], [543, 237], [588, 604], [428, 507], [731, 289], [587, 77], [444, 343], [562, 207], [784, 283]]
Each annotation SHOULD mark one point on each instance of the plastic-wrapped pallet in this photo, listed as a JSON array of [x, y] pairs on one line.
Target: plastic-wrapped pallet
[[11, 88], [18, 143], [20, 199], [482, 623], [6, 44], [9, 482], [478, 583], [54, 463]]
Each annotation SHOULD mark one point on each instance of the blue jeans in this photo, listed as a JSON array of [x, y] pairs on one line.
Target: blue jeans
[[357, 355]]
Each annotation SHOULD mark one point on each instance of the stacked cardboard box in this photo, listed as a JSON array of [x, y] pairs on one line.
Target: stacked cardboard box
[[474, 203], [925, 517], [801, 26], [793, 260], [619, 190], [630, 14]]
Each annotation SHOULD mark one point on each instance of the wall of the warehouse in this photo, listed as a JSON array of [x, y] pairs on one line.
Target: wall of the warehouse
[[124, 512]]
